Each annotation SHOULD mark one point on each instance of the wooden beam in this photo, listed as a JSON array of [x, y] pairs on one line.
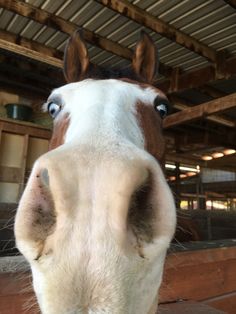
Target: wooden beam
[[201, 111], [182, 159], [198, 77], [46, 77], [226, 302], [32, 54], [59, 24], [10, 174], [30, 44], [206, 267], [220, 187], [56, 22], [232, 3], [159, 26], [211, 91], [191, 160], [197, 141], [24, 128], [181, 105], [11, 79], [185, 80], [22, 90], [187, 307]]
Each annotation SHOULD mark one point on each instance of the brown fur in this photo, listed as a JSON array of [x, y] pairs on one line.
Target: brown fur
[[144, 61], [151, 124], [77, 66], [76, 51], [59, 131]]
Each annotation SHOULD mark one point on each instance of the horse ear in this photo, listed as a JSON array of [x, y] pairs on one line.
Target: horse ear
[[145, 61], [76, 60]]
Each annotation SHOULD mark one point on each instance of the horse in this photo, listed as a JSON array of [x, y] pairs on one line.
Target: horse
[[97, 216]]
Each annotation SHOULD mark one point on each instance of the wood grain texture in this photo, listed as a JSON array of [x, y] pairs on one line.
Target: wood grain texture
[[189, 307], [161, 27], [199, 275], [207, 276], [23, 128], [201, 111]]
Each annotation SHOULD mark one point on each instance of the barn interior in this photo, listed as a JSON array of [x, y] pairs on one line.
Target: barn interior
[[196, 43]]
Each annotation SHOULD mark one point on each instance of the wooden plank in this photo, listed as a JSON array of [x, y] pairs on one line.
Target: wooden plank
[[201, 111], [24, 128], [16, 293], [181, 105], [198, 77], [13, 86], [31, 45], [16, 79], [10, 174], [19, 304], [199, 275], [56, 22], [26, 52], [226, 302], [14, 283], [221, 187], [188, 307], [212, 91], [159, 26], [24, 68], [194, 275], [46, 18]]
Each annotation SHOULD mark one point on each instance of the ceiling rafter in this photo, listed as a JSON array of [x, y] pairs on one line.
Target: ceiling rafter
[[211, 91], [30, 44], [159, 26], [198, 77], [201, 111], [59, 24], [51, 78], [177, 81], [33, 54], [181, 105]]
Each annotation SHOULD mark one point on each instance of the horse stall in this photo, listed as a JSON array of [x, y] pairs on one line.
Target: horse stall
[[196, 46]]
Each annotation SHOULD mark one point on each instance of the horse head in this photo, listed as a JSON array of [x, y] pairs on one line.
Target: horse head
[[97, 216]]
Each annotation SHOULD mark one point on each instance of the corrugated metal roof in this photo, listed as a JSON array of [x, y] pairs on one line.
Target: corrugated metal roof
[[212, 22]]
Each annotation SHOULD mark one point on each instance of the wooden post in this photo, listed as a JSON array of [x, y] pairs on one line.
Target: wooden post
[[23, 164], [209, 229], [177, 185]]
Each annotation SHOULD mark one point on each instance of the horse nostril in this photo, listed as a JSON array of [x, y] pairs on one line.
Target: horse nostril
[[44, 177], [141, 214], [36, 216]]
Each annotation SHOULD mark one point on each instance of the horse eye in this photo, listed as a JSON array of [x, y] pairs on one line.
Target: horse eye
[[53, 109], [161, 106]]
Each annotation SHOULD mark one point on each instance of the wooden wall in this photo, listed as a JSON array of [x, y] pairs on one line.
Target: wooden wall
[[205, 276], [20, 145]]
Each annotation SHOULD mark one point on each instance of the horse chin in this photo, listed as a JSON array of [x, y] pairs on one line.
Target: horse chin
[[128, 289]]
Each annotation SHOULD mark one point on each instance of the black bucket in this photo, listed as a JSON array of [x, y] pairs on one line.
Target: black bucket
[[19, 112]]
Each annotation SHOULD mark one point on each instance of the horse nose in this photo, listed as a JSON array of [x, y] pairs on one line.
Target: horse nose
[[130, 198], [36, 217]]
